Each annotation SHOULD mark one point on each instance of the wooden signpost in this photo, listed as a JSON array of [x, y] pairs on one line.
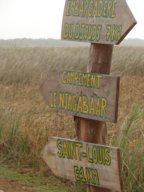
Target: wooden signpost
[[103, 23], [84, 163], [97, 21], [87, 95]]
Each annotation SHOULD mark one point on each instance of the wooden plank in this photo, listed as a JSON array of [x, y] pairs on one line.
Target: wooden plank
[[97, 21], [87, 163], [100, 56], [91, 96]]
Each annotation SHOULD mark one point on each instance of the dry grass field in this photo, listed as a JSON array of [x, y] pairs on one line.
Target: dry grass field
[[26, 122]]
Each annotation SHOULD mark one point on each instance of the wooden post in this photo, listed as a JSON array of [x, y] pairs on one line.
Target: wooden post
[[90, 130]]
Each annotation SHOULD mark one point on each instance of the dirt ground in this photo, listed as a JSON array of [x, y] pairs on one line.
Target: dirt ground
[[11, 186]]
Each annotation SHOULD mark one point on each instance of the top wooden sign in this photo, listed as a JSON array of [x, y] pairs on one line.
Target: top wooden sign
[[97, 21]]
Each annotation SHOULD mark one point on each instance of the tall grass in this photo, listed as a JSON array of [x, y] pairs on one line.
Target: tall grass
[[31, 65], [130, 139], [26, 123]]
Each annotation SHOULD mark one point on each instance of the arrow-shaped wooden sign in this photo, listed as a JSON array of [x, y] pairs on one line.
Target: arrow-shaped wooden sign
[[98, 21], [83, 162], [87, 95]]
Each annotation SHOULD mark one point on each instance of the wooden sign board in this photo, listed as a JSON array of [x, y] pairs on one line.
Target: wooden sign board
[[97, 21], [87, 95], [87, 163]]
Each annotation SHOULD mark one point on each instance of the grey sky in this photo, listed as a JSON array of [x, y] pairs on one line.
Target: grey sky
[[43, 18]]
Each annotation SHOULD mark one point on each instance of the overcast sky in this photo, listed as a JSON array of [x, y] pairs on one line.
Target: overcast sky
[[43, 18]]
